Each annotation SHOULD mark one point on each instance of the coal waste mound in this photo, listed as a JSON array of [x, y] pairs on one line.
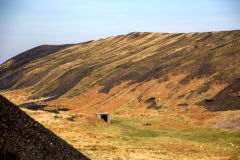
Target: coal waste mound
[[23, 138]]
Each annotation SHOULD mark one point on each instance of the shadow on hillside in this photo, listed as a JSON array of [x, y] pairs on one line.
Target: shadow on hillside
[[227, 99], [34, 106]]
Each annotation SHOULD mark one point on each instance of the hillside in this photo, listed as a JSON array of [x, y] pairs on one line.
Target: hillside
[[145, 70], [21, 137], [169, 95]]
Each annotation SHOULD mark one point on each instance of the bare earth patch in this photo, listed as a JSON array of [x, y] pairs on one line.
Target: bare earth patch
[[228, 119]]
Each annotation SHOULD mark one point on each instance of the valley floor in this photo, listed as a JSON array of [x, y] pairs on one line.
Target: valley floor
[[182, 133], [140, 137]]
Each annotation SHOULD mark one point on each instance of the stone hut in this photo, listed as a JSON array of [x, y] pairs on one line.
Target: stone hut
[[105, 116]]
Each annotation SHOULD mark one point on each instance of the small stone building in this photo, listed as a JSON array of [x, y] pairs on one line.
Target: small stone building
[[105, 116]]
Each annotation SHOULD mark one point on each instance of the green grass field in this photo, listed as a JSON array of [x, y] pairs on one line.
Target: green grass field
[[134, 137], [191, 143]]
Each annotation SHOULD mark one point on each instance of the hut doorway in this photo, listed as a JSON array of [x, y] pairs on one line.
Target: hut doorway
[[104, 117]]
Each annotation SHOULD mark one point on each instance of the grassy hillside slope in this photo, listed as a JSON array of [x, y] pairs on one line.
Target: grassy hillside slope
[[153, 70]]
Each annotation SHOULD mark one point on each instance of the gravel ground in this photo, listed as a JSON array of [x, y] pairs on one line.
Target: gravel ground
[[21, 137]]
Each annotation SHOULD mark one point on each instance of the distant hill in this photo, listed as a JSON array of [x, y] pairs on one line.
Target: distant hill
[[21, 137], [172, 69]]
